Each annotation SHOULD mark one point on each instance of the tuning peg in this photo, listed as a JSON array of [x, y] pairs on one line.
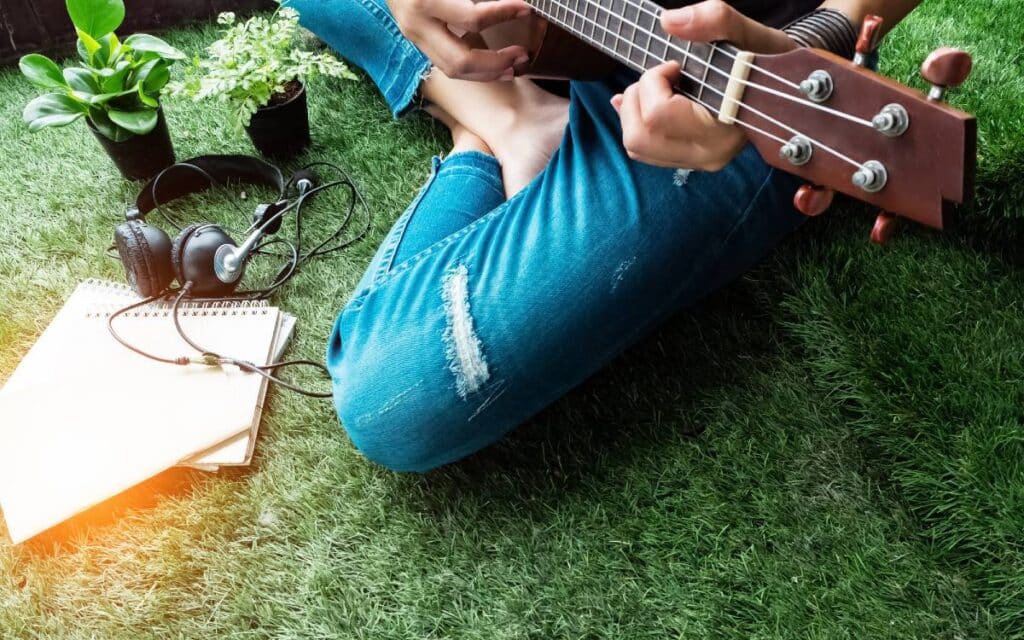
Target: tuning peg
[[870, 36], [944, 68], [885, 227], [812, 200]]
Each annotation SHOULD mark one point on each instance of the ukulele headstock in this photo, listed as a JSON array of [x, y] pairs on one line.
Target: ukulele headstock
[[844, 127]]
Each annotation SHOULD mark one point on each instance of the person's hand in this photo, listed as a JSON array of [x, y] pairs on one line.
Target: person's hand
[[663, 128], [429, 24]]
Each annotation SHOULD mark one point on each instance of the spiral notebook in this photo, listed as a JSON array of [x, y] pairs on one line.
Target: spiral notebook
[[82, 418]]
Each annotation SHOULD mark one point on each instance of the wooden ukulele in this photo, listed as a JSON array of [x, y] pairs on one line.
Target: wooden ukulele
[[808, 112]]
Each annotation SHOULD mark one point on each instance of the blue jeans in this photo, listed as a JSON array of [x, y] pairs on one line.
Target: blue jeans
[[477, 312]]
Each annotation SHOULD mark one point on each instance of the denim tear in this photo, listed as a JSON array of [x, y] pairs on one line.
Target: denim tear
[[462, 346], [620, 272], [681, 177]]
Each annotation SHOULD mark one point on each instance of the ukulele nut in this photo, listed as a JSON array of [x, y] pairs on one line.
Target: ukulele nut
[[818, 86], [798, 151], [892, 121], [871, 177]]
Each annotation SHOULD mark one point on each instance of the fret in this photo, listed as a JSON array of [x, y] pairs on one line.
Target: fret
[[604, 30], [647, 48], [707, 68], [618, 30], [689, 53], [666, 43], [588, 6], [632, 36], [600, 8]]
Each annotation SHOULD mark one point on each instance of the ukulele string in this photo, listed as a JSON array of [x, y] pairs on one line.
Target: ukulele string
[[753, 85], [726, 52], [757, 112]]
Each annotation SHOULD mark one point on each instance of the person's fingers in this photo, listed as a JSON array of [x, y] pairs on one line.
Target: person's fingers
[[474, 17], [457, 60], [641, 143], [700, 142], [714, 20], [661, 108]]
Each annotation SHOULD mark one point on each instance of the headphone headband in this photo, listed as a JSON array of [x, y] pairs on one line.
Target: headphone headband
[[194, 176]]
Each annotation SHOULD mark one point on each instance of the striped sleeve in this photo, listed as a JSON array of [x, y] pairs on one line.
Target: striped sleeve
[[825, 29]]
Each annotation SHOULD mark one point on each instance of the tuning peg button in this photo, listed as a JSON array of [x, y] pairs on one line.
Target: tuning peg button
[[812, 200], [885, 227], [870, 36], [944, 68]]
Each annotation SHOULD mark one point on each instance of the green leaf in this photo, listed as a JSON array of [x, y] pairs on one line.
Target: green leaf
[[90, 44], [108, 129], [103, 98], [113, 80], [138, 122], [153, 76], [52, 110], [41, 71], [96, 17], [83, 53], [112, 46], [151, 44], [146, 99], [81, 80]]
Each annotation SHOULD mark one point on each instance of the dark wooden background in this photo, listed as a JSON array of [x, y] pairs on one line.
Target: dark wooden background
[[43, 25]]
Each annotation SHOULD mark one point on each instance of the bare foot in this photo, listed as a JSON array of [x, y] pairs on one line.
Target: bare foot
[[462, 138], [521, 124], [526, 141], [524, 129]]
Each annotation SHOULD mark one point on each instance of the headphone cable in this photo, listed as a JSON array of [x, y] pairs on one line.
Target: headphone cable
[[211, 358], [287, 271]]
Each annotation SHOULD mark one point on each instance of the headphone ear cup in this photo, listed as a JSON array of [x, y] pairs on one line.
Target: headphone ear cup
[[178, 250], [194, 257], [145, 253]]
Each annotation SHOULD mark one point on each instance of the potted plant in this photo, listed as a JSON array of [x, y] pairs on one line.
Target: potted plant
[[116, 89], [259, 71]]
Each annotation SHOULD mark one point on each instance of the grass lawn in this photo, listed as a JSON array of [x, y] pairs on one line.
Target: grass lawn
[[831, 447]]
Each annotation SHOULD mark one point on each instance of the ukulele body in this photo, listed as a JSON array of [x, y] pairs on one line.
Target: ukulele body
[[554, 53]]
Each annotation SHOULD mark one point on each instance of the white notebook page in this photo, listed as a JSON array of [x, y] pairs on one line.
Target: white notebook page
[[82, 418]]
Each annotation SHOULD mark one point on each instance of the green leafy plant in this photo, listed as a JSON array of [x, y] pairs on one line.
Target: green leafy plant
[[118, 85], [255, 62]]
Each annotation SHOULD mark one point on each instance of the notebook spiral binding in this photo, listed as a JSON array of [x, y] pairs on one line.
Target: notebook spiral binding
[[120, 296]]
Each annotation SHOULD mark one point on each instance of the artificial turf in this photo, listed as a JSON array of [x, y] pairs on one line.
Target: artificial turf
[[831, 447]]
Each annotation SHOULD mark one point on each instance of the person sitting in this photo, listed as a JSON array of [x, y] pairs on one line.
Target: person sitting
[[558, 231]]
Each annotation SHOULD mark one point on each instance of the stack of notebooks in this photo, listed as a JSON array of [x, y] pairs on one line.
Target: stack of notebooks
[[82, 418]]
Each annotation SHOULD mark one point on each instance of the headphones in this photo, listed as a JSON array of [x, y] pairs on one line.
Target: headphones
[[207, 262], [202, 257]]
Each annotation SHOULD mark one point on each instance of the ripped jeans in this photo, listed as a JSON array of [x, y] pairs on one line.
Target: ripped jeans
[[477, 312]]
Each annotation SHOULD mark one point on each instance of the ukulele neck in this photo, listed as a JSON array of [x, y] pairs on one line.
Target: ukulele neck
[[630, 32]]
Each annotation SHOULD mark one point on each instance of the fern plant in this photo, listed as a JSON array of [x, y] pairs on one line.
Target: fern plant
[[255, 61]]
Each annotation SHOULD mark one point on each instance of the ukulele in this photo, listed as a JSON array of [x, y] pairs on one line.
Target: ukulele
[[832, 121]]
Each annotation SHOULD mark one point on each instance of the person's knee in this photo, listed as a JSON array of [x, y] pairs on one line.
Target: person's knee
[[403, 427]]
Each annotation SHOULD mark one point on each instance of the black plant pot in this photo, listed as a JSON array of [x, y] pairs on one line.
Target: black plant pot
[[141, 157], [281, 131]]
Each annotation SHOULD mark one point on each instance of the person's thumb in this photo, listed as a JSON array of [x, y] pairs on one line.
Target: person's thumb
[[714, 20]]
